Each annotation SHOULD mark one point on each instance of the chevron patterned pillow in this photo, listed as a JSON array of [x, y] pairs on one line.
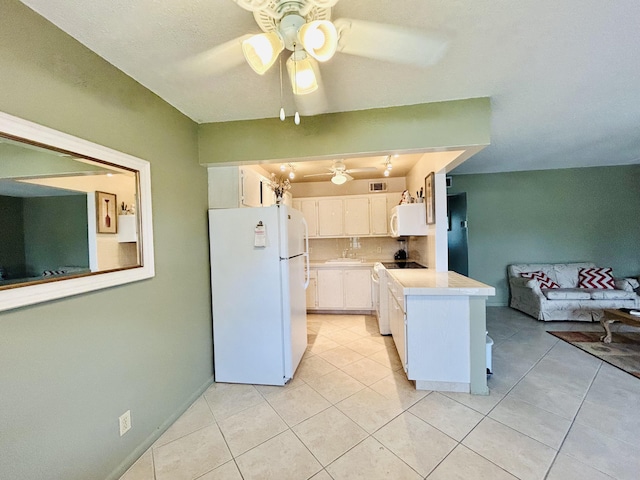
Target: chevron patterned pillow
[[543, 280], [596, 278]]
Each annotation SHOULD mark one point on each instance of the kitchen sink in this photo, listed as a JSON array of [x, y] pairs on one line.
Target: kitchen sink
[[344, 260]]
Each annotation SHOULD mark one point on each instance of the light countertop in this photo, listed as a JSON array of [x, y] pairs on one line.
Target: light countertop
[[429, 282]]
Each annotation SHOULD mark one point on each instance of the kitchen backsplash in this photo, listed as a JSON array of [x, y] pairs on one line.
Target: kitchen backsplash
[[355, 247]]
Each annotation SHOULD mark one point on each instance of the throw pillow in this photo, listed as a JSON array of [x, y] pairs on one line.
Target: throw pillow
[[596, 278], [543, 280]]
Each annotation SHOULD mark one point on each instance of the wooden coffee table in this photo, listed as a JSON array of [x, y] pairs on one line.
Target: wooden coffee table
[[612, 315]]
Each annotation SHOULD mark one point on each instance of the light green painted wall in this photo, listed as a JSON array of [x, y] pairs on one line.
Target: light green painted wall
[[568, 215], [69, 368], [55, 233], [408, 128]]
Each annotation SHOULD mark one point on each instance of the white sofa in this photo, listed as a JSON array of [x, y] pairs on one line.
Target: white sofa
[[569, 302]]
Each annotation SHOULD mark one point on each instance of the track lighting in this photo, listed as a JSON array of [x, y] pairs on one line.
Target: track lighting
[[387, 166]]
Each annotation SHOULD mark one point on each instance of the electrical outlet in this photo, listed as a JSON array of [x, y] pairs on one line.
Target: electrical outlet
[[125, 422], [379, 249]]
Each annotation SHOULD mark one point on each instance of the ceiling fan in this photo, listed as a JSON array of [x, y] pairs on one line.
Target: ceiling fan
[[340, 173], [304, 28]]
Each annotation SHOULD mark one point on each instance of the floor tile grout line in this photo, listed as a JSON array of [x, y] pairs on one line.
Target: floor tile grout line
[[564, 438]]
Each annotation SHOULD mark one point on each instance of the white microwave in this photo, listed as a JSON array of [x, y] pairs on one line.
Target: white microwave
[[409, 219]]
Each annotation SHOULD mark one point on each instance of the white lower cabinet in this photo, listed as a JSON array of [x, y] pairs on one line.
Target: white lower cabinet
[[330, 289], [357, 289], [312, 290], [341, 289], [398, 321]]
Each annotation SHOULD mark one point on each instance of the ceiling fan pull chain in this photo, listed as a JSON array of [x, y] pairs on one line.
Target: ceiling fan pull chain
[[282, 115], [296, 117]]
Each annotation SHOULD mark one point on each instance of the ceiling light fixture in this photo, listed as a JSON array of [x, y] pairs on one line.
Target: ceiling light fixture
[[292, 172], [302, 73], [319, 38], [339, 178], [387, 166], [283, 167], [261, 51]]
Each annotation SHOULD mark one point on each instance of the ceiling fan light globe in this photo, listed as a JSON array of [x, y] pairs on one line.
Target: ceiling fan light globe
[[338, 179], [261, 51], [319, 38], [302, 74]]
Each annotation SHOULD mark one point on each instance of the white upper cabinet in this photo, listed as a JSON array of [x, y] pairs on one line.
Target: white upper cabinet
[[356, 216], [251, 188], [309, 209], [330, 217], [379, 216], [347, 216]]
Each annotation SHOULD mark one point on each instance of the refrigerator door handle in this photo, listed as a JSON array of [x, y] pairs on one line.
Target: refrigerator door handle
[[306, 254]]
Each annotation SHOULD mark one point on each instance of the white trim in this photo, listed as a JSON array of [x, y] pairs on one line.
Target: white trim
[[31, 294]]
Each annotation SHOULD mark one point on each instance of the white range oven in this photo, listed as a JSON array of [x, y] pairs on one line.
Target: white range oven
[[380, 298]]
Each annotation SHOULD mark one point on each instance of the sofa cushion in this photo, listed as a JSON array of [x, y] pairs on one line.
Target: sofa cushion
[[543, 280], [566, 274], [608, 294], [596, 278], [566, 294]]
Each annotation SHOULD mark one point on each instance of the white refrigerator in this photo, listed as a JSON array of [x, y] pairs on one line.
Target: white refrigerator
[[259, 265]]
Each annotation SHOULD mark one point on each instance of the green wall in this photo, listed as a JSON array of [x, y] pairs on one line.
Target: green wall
[[69, 368], [568, 215], [11, 236], [55, 233], [429, 126]]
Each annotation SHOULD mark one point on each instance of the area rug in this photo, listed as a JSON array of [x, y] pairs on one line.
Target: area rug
[[623, 351]]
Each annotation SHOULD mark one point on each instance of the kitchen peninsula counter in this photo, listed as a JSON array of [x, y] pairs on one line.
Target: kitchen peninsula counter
[[429, 282], [438, 322]]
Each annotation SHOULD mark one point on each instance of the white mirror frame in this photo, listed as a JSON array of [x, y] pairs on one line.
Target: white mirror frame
[[31, 294]]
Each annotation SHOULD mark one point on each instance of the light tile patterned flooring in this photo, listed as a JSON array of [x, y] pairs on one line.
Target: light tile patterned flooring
[[554, 412]]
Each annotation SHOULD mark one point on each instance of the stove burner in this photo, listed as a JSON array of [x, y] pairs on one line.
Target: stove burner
[[402, 264]]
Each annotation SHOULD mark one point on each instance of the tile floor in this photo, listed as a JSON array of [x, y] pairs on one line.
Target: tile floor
[[554, 412]]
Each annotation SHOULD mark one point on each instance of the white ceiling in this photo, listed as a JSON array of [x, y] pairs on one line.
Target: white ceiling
[[563, 76]]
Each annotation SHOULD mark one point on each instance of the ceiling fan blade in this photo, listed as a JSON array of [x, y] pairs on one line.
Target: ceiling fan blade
[[217, 60], [363, 169], [389, 42], [318, 174]]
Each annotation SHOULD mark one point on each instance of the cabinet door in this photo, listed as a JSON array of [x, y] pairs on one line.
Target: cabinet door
[[379, 215], [312, 291], [251, 188], [309, 209], [330, 220], [356, 216], [357, 289], [330, 289]]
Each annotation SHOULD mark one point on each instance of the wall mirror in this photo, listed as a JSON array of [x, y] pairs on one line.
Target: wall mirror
[[74, 216]]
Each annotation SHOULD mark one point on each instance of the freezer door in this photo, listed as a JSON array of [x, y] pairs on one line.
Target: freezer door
[[292, 232], [295, 311]]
